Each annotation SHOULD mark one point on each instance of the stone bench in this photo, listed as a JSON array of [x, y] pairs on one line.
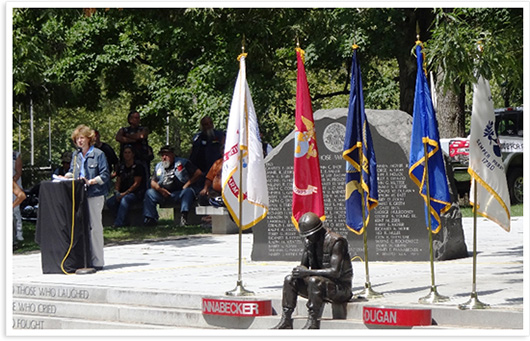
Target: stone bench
[[221, 221], [136, 216]]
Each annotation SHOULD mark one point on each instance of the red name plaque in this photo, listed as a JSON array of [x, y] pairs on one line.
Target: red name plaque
[[404, 317], [246, 307]]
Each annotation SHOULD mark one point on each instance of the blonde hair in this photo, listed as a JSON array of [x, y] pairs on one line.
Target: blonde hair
[[83, 130]]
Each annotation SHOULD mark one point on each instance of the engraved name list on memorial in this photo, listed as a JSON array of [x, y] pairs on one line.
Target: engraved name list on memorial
[[282, 235], [393, 219]]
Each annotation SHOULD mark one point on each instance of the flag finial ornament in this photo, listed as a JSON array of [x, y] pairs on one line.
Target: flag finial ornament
[[243, 54]]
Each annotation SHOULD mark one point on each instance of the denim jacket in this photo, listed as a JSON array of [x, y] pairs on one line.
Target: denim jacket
[[96, 167]]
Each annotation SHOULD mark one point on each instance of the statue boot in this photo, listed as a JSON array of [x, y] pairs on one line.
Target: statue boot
[[287, 321], [313, 319]]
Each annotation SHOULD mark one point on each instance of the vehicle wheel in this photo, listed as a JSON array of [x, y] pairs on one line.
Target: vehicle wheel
[[515, 185]]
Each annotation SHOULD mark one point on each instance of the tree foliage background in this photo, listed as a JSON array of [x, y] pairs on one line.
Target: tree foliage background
[[92, 66]]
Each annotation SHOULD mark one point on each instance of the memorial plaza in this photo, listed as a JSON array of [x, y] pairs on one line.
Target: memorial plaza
[[156, 287]]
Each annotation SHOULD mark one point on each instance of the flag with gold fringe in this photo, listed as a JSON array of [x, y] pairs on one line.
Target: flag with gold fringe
[[485, 160], [307, 183], [358, 151], [425, 151], [243, 174]]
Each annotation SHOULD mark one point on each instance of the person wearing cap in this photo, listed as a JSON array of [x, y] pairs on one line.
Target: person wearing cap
[[325, 273], [66, 158], [174, 181]]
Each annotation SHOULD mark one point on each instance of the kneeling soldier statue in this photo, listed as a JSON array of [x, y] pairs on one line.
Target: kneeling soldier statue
[[324, 275]]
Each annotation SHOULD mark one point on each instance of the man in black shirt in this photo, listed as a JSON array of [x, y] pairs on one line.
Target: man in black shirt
[[137, 136], [112, 159], [207, 146]]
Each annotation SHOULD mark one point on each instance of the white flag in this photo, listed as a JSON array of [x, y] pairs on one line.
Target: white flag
[[243, 141], [485, 160]]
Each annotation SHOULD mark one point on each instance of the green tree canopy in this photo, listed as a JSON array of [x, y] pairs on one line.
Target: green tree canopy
[[94, 65]]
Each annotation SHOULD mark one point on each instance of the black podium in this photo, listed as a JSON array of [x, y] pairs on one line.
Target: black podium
[[54, 227]]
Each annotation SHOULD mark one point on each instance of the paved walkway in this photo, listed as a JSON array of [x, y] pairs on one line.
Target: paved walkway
[[208, 265]]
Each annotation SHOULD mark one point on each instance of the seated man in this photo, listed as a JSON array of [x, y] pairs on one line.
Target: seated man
[[324, 275], [174, 181]]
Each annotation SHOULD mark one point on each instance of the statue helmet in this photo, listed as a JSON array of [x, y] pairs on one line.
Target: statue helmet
[[308, 224]]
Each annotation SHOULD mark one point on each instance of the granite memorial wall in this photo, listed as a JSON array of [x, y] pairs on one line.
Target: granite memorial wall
[[396, 231]]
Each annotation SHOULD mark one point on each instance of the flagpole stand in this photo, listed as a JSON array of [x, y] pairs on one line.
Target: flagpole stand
[[473, 303], [368, 293], [433, 297], [239, 290]]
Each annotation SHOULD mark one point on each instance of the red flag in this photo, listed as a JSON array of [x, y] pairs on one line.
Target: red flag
[[307, 185]]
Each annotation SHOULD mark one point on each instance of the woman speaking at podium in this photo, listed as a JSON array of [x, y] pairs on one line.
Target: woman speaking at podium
[[89, 163]]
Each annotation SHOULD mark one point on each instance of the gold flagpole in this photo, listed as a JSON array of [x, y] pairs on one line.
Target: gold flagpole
[[240, 290], [474, 302], [433, 296], [367, 292]]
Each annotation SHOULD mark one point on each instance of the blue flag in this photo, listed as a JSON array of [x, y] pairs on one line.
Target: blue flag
[[358, 150], [425, 130]]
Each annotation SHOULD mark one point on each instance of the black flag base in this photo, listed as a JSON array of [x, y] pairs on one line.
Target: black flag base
[[368, 293], [239, 290], [85, 271], [433, 297], [473, 303]]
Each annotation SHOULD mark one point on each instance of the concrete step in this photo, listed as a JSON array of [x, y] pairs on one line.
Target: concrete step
[[31, 322], [153, 309], [110, 295], [171, 317]]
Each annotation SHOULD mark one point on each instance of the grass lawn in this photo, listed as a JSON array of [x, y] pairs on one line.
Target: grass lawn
[[166, 228], [515, 211]]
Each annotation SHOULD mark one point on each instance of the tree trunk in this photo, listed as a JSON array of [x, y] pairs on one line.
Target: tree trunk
[[406, 37], [450, 112], [407, 82]]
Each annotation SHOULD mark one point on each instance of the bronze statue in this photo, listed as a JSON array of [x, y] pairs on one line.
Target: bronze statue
[[324, 275]]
